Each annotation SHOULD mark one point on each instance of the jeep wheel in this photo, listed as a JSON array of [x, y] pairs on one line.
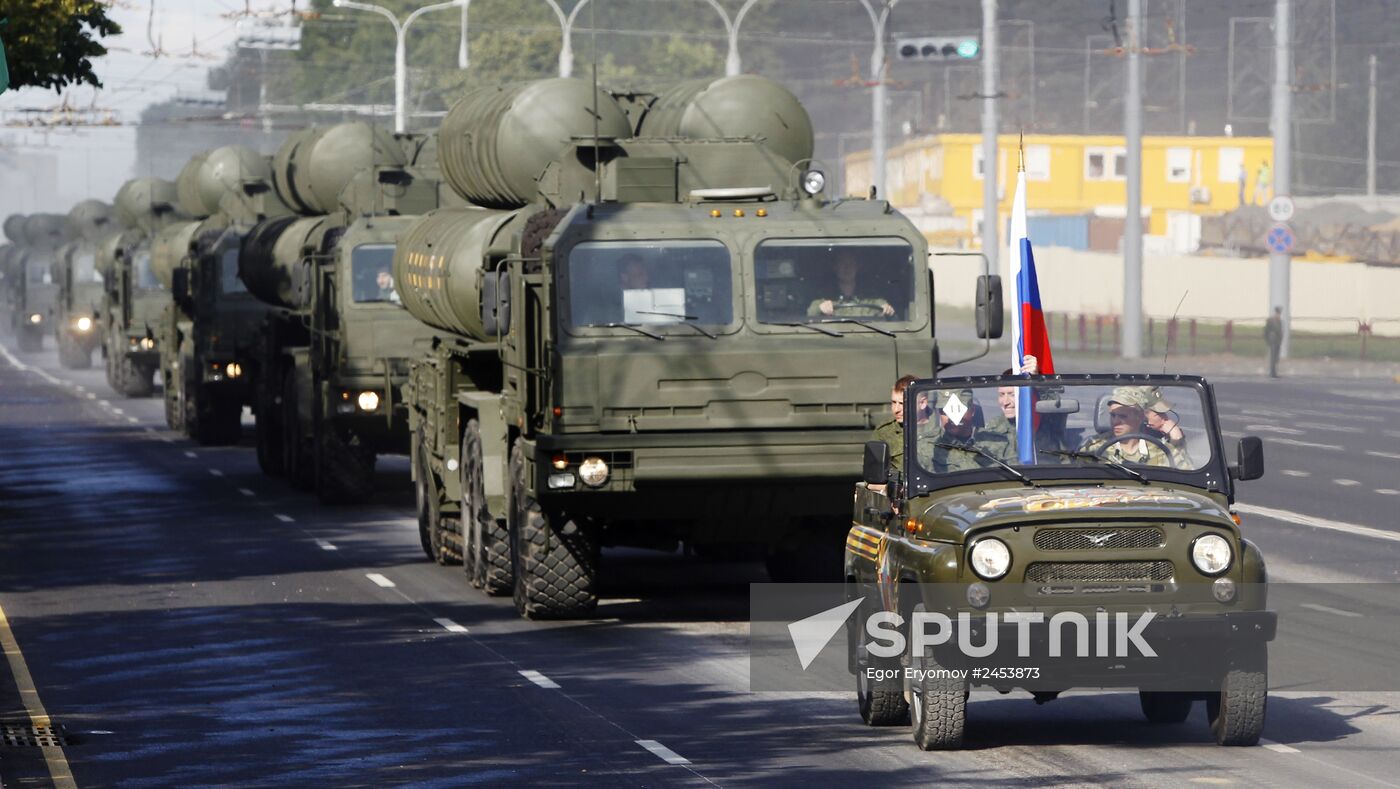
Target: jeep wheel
[[1236, 713], [344, 469], [485, 538], [1164, 706], [881, 702], [938, 708], [554, 559]]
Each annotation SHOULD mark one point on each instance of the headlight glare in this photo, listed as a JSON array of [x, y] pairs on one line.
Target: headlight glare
[[593, 471], [36, 317], [1211, 554], [83, 324], [233, 369], [368, 401], [990, 558]]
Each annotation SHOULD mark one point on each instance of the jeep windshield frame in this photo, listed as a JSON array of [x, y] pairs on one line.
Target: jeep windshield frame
[[1211, 476]]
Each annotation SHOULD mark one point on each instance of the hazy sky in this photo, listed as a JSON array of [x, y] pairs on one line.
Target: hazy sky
[[93, 162]]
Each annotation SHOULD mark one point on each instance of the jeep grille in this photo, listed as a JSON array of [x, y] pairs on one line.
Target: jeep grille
[[1098, 538], [1093, 572]]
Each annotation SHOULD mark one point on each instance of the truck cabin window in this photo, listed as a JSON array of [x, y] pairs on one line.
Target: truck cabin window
[[228, 272], [372, 274], [85, 268], [649, 283], [142, 274], [814, 280]]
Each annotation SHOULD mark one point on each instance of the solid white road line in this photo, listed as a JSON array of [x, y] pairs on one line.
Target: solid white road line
[[284, 518], [539, 679], [246, 492], [133, 420], [1346, 483], [1278, 747], [1330, 610], [449, 625], [1293, 472], [1388, 491], [380, 580], [1287, 431], [118, 411], [667, 755], [1318, 523], [325, 546], [91, 396], [1386, 455], [1293, 442]]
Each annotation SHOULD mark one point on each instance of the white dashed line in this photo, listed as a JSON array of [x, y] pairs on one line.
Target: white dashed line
[[1287, 431], [284, 518], [1386, 455], [246, 492], [1278, 747], [150, 430], [1388, 491], [91, 396], [325, 546], [118, 411], [1293, 442], [1293, 472], [1318, 523], [539, 679], [191, 455], [667, 755], [133, 420], [1330, 610], [1346, 483], [380, 580], [450, 626], [215, 472]]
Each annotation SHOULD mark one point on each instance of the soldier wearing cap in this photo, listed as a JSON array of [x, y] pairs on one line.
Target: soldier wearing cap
[[959, 423], [1127, 410], [847, 304]]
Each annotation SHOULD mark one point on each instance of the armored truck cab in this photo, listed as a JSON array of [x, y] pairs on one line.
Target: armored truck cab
[[36, 289], [77, 324], [135, 299]]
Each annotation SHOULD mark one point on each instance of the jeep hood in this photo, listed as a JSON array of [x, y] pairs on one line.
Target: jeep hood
[[950, 515]]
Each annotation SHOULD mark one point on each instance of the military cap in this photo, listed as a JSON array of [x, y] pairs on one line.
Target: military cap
[[1136, 396], [964, 396], [1158, 403]]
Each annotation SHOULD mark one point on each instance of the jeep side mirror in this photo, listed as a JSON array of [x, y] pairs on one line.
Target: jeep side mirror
[[1250, 459], [989, 307], [876, 469]]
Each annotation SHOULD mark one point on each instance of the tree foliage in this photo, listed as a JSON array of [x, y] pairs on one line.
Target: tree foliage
[[52, 43]]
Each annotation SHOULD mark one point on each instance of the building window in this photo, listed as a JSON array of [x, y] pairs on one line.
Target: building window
[[977, 162], [1098, 161], [1178, 165], [1231, 165], [1037, 162]]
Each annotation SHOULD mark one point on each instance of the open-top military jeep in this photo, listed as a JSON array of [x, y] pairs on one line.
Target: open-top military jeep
[[1100, 553]]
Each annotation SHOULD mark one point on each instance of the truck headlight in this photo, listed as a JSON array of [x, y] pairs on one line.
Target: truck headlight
[[990, 558], [593, 471], [1211, 554], [35, 317], [813, 181], [233, 370], [83, 324], [144, 343], [368, 401]]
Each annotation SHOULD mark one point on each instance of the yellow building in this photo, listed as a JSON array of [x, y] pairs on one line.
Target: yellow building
[[1071, 175]]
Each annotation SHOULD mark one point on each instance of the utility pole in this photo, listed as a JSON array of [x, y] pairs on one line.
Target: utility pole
[[1132, 221], [1371, 137], [400, 49], [991, 214], [1281, 125], [878, 69]]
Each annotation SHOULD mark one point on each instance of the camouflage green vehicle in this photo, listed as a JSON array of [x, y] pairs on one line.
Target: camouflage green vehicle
[[35, 293], [656, 330], [1120, 511], [209, 327], [77, 324], [333, 348], [134, 297]]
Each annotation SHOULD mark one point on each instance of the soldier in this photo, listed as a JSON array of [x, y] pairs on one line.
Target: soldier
[[385, 282], [1273, 335], [961, 432], [632, 273], [1127, 409], [847, 304], [892, 431]]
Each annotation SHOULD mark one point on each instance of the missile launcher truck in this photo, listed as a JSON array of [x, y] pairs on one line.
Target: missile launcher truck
[[39, 237], [210, 326], [656, 329], [76, 321], [336, 343]]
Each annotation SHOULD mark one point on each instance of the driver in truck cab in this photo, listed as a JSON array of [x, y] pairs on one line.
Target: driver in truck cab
[[846, 304], [1127, 439]]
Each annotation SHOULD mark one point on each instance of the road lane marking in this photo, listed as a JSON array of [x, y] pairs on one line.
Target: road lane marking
[[325, 546], [1293, 442], [246, 492], [1326, 609], [1388, 492], [1346, 483], [1278, 747], [59, 771], [449, 625], [380, 580], [1287, 431], [1318, 523], [118, 411], [215, 472], [1387, 455], [91, 396], [284, 518], [191, 455], [539, 679], [133, 420], [666, 754], [1293, 472]]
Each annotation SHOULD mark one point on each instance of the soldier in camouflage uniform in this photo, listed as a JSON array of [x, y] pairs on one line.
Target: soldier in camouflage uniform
[[963, 432], [1127, 409], [847, 304], [892, 431]]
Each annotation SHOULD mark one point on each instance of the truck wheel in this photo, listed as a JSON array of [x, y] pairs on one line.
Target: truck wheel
[[209, 420], [938, 708], [173, 394], [1236, 713], [137, 380], [425, 499], [295, 460], [344, 469], [1164, 706], [485, 538], [268, 429], [881, 702], [554, 560]]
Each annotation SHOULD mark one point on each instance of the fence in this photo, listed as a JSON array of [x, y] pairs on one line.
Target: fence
[[1102, 335]]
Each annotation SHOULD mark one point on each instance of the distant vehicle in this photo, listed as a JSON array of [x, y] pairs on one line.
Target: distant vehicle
[[77, 323]]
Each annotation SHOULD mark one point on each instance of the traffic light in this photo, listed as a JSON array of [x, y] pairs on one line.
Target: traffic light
[[934, 49]]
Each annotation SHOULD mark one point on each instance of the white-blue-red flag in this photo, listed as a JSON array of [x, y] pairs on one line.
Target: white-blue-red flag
[[1028, 333]]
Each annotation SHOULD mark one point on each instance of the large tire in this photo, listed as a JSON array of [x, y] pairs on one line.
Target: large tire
[[939, 708], [296, 461], [268, 429], [209, 420], [172, 392], [344, 469], [1165, 706], [420, 496], [554, 559], [429, 501], [881, 703], [485, 538], [137, 380], [1236, 712]]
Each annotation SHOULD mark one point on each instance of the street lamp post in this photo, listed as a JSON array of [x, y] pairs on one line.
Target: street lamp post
[[878, 20], [566, 24], [732, 65], [400, 56]]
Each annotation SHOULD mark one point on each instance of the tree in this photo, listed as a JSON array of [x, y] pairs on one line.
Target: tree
[[51, 43]]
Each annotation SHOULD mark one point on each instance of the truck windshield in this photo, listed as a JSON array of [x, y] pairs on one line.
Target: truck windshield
[[228, 272], [142, 274], [372, 274], [649, 282], [85, 268], [1126, 429], [811, 280]]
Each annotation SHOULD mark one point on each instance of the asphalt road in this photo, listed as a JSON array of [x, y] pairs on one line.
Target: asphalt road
[[191, 622]]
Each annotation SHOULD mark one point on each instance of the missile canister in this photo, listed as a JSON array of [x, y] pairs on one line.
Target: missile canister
[[14, 228], [90, 220], [438, 266], [46, 232], [314, 165], [742, 106], [208, 177], [169, 247], [271, 259], [141, 202], [495, 142]]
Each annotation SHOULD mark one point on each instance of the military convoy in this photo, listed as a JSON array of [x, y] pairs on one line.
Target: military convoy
[[77, 313], [32, 290]]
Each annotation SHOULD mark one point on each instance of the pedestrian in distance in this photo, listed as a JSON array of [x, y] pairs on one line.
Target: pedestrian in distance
[[1262, 182], [1273, 336]]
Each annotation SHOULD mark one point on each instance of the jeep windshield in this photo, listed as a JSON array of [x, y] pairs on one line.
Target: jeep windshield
[[1128, 428], [678, 285], [841, 281]]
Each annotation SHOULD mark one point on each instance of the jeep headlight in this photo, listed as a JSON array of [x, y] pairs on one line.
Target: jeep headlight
[[1211, 554], [83, 324], [593, 471], [368, 401], [990, 558]]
